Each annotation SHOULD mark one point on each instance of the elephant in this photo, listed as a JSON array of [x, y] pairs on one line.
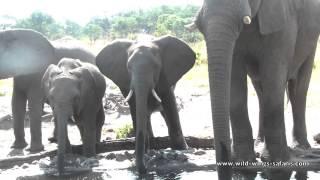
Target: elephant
[[25, 55], [146, 73], [74, 52], [266, 40], [74, 88], [306, 43]]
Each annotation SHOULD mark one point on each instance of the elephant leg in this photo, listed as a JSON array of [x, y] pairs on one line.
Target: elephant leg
[[100, 122], [257, 86], [53, 139], [150, 131], [68, 145], [19, 101], [171, 117], [89, 135], [241, 127], [274, 80], [298, 89], [35, 105]]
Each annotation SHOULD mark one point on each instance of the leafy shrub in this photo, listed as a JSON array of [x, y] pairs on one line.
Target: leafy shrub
[[125, 131]]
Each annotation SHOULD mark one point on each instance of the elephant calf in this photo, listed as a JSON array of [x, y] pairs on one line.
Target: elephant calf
[[74, 88]]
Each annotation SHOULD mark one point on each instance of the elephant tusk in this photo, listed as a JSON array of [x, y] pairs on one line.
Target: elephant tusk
[[128, 96], [155, 95], [247, 20], [191, 27]]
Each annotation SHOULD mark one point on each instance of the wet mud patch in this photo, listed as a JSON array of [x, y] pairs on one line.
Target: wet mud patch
[[73, 165], [160, 163]]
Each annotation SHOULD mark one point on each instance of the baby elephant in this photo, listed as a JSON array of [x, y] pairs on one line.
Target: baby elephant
[[74, 88]]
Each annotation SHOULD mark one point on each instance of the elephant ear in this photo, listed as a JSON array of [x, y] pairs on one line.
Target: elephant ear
[[112, 62], [177, 58], [273, 15], [50, 73]]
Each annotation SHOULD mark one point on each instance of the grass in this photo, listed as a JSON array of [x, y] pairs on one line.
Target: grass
[[197, 77], [124, 131]]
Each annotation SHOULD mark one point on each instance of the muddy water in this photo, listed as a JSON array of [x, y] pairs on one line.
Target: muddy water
[[161, 164], [164, 164]]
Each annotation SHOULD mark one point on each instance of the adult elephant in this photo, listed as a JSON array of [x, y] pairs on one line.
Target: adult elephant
[[298, 83], [146, 73], [25, 55], [73, 88], [259, 38]]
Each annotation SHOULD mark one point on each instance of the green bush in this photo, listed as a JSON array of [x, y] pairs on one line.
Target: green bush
[[125, 131], [201, 54]]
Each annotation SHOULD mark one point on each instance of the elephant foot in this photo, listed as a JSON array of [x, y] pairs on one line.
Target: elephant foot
[[302, 144], [243, 152], [244, 156], [178, 143], [317, 138], [180, 146], [35, 148], [142, 170], [275, 154], [19, 144]]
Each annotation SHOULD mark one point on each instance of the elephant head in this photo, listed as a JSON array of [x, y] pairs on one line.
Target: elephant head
[[144, 70], [221, 22], [66, 86]]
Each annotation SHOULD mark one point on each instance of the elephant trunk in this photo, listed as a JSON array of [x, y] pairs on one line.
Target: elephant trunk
[[62, 140], [141, 95], [220, 40]]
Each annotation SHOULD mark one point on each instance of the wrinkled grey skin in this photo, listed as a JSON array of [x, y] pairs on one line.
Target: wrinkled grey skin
[[309, 29], [74, 88], [269, 51], [141, 67], [25, 55], [74, 52]]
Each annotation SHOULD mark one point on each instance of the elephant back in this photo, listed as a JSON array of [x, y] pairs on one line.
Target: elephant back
[[24, 52]]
